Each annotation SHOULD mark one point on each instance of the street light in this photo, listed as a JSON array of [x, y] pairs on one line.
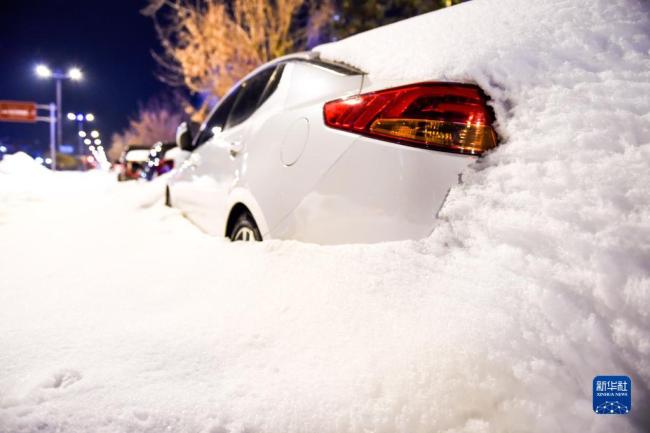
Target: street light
[[98, 141], [73, 74], [88, 117], [80, 118], [88, 141], [94, 133], [43, 71]]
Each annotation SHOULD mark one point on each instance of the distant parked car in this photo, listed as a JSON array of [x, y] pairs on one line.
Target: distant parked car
[[161, 160], [133, 161], [316, 151]]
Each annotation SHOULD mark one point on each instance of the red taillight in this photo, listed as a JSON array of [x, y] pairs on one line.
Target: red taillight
[[442, 116]]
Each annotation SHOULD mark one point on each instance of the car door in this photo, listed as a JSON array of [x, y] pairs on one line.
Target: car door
[[199, 187], [215, 166]]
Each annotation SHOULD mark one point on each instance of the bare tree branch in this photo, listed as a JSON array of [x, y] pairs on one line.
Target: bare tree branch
[[208, 45], [155, 121]]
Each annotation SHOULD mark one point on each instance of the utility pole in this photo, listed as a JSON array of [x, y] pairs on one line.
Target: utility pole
[[73, 74], [59, 96], [53, 113]]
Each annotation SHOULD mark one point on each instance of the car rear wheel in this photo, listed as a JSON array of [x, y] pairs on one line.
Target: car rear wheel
[[245, 229]]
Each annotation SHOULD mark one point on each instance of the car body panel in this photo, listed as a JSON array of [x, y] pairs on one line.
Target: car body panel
[[264, 162], [202, 186], [375, 192], [303, 180], [203, 183]]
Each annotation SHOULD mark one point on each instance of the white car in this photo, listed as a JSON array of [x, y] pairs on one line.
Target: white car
[[320, 152]]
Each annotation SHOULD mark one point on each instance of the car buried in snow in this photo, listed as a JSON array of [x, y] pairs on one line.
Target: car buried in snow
[[132, 162], [316, 151]]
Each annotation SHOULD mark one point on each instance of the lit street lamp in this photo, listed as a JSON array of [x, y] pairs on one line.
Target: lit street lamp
[[43, 71], [80, 118], [73, 74]]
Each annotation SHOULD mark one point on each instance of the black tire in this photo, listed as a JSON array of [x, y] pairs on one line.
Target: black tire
[[168, 199], [245, 229]]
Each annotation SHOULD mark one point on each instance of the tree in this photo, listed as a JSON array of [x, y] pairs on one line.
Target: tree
[[155, 121], [355, 16], [208, 45]]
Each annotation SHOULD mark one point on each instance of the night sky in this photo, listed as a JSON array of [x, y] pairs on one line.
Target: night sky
[[109, 40]]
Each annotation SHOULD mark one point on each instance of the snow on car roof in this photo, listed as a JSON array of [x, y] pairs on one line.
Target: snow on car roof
[[137, 155], [474, 38]]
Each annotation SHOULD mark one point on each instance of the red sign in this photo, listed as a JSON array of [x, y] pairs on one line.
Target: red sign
[[17, 111]]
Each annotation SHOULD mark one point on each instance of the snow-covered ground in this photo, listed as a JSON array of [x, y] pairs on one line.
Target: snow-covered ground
[[117, 315]]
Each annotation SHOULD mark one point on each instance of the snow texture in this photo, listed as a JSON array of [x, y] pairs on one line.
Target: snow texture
[[117, 315]]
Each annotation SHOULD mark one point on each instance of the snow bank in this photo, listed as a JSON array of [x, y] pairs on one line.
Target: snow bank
[[117, 315], [555, 224], [21, 178], [21, 164]]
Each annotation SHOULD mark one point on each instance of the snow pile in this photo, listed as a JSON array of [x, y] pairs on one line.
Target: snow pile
[[117, 315], [21, 178], [556, 222], [22, 165]]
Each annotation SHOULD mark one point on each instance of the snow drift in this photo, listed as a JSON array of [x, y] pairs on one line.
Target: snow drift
[[117, 315], [562, 207]]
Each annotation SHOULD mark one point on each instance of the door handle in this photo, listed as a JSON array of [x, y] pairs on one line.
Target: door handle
[[235, 148]]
